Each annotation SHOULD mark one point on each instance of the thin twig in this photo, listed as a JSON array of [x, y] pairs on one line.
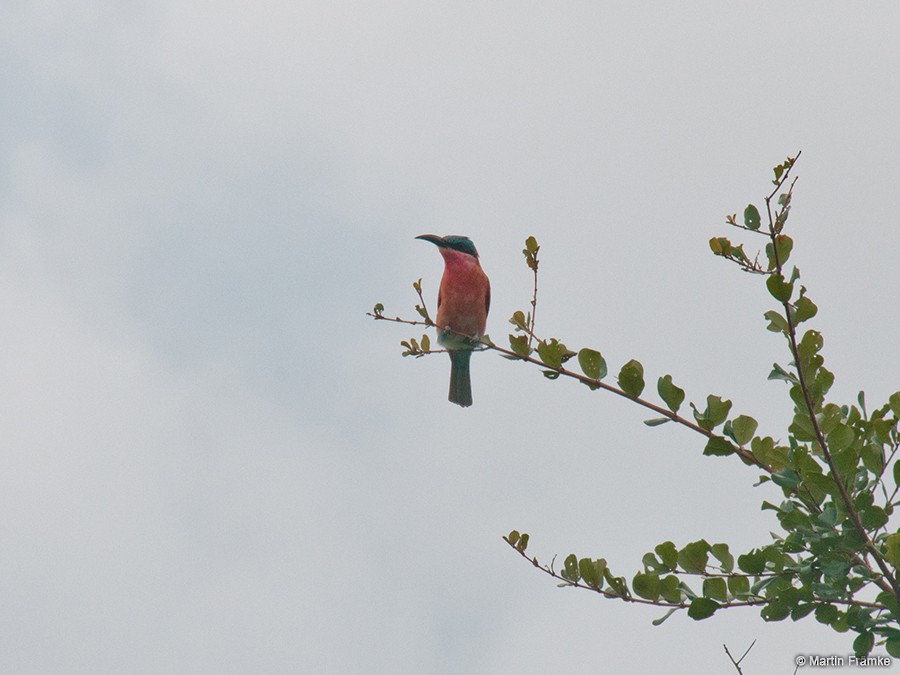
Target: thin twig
[[533, 302], [424, 310], [744, 227], [397, 319], [887, 462], [737, 664]]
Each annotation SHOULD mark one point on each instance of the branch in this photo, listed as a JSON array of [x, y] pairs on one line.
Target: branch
[[743, 453], [746, 456], [807, 398], [684, 604], [422, 309], [608, 593], [737, 664], [531, 251], [397, 319]]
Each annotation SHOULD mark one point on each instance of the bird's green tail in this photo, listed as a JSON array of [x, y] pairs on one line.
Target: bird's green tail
[[460, 382]]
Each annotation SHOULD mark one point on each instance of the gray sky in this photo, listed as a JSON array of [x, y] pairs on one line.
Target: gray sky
[[212, 461]]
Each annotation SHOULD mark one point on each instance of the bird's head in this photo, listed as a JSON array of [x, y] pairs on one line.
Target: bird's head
[[452, 242]]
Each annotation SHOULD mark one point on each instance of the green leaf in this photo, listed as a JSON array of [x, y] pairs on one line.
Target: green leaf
[[801, 611], [779, 373], [518, 320], [656, 421], [600, 567], [717, 446], [743, 427], [864, 500], [716, 412], [882, 428], [694, 556], [805, 309], [841, 437], [672, 395], [826, 614], [873, 517], [591, 575], [896, 471], [668, 554], [863, 643], [513, 537], [834, 570], [702, 608], [801, 427], [570, 567], [840, 624], [873, 458], [739, 586], [783, 246], [888, 599], [786, 478], [776, 610], [552, 352], [616, 584], [657, 622], [894, 402], [670, 588], [530, 252], [892, 647], [522, 544], [753, 562], [717, 409], [519, 344], [715, 588], [845, 462], [779, 288], [811, 343], [631, 378], [723, 555], [892, 550], [719, 245], [652, 563], [646, 586], [765, 451], [751, 217], [592, 363], [777, 323], [822, 382], [830, 418]]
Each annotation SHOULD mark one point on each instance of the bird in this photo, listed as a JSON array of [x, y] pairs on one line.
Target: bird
[[464, 299]]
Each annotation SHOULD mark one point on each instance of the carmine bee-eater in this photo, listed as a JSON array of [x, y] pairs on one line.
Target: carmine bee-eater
[[462, 307]]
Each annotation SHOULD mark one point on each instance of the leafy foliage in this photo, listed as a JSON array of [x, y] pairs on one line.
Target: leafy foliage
[[836, 554]]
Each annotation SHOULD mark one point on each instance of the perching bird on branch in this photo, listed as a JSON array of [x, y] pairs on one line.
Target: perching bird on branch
[[462, 308]]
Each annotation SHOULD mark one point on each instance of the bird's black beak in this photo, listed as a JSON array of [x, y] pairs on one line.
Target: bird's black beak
[[434, 239]]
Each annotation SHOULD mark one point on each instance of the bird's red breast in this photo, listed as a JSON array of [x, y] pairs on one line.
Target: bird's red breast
[[465, 294]]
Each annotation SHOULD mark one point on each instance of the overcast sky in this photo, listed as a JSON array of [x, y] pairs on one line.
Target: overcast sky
[[212, 461]]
